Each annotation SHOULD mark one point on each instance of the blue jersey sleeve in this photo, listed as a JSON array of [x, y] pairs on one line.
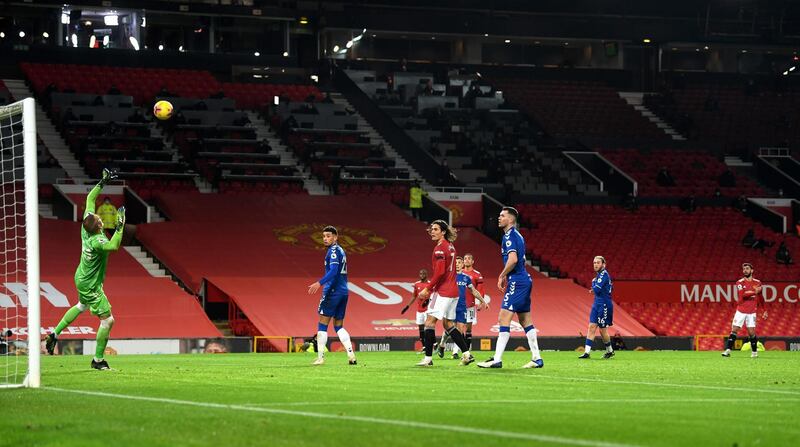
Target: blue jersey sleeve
[[332, 266], [518, 245], [602, 285]]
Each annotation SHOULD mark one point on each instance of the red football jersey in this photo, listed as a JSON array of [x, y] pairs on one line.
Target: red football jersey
[[422, 305], [477, 282], [443, 280], [746, 293]]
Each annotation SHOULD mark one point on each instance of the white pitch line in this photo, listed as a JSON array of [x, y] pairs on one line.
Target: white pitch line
[[672, 385], [371, 420], [517, 401]]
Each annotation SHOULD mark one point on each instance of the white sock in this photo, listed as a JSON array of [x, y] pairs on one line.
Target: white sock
[[533, 343], [455, 348], [502, 341], [588, 349], [344, 337], [609, 348], [427, 358], [322, 340], [443, 341]]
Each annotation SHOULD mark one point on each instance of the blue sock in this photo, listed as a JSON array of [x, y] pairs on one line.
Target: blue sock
[[588, 346], [505, 328], [336, 328], [321, 327], [529, 328]]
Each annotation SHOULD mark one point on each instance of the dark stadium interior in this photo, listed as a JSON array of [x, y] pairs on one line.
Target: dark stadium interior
[[667, 127]]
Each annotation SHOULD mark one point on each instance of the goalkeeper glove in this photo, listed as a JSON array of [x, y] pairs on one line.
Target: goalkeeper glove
[[404, 310], [120, 217], [108, 175]]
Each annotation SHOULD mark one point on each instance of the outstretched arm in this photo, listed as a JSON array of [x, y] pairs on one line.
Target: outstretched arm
[[413, 299], [91, 199], [116, 240], [478, 297]]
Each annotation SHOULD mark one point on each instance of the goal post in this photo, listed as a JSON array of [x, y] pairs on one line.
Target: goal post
[[20, 243]]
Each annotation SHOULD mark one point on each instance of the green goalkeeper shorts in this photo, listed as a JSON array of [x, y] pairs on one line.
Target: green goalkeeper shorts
[[95, 300]]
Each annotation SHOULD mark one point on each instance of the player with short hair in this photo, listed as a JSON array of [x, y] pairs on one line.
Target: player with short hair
[[91, 273], [443, 292], [333, 303], [465, 310], [422, 305], [602, 313], [516, 283], [477, 281], [747, 290]]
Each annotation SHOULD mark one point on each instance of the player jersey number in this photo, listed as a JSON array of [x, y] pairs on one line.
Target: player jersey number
[[344, 265], [452, 262]]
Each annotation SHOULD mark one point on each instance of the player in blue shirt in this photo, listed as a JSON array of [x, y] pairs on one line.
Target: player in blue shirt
[[465, 309], [602, 314], [333, 303], [516, 283]]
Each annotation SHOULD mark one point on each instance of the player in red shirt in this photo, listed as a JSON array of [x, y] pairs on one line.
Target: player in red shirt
[[422, 305], [443, 292], [747, 289]]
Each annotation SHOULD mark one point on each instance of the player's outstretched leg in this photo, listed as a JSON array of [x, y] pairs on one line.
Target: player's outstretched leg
[[69, 316], [430, 339], [607, 343], [729, 344], [533, 343], [99, 362], [753, 345], [442, 344], [502, 341], [344, 337], [322, 342]]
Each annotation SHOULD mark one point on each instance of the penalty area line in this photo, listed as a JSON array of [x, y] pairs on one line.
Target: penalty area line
[[365, 419]]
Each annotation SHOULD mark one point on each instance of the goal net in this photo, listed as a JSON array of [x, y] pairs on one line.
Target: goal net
[[19, 247]]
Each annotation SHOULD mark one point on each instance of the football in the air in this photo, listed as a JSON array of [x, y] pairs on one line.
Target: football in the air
[[162, 110]]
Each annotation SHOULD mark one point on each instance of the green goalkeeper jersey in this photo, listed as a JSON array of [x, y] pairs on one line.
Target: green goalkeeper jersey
[[95, 248]]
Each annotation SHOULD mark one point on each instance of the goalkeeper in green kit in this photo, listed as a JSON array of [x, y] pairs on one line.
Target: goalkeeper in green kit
[[91, 273]]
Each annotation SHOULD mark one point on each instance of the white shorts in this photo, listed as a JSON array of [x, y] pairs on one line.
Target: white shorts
[[472, 315], [442, 307], [744, 320], [421, 316]]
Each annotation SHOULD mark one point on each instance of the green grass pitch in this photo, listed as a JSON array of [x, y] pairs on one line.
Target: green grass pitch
[[638, 398]]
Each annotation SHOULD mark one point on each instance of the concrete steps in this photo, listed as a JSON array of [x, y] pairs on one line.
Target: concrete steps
[[47, 132], [636, 100], [376, 138], [46, 211], [146, 261], [287, 157]]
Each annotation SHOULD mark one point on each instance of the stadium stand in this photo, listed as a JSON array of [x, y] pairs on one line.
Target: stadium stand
[[578, 109], [694, 172], [738, 115], [661, 243], [280, 235], [655, 243], [468, 126], [324, 136], [144, 306], [688, 319]]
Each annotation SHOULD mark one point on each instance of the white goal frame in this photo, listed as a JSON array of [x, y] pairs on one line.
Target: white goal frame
[[27, 107]]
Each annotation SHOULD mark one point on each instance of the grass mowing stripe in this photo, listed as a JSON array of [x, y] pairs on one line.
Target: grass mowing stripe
[[410, 424], [631, 382], [520, 401]]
